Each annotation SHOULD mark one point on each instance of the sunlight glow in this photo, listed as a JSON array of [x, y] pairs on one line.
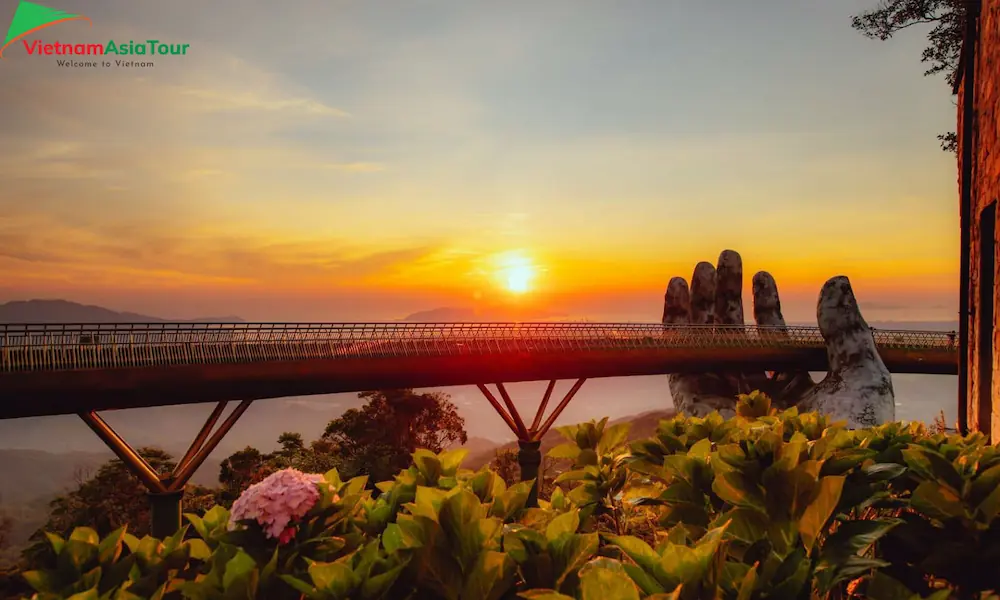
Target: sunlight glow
[[515, 271], [519, 279]]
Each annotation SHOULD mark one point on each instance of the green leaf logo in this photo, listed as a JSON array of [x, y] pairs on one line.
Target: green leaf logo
[[30, 17]]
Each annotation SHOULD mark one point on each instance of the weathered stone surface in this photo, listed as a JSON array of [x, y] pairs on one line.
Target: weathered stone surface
[[703, 294], [729, 289], [785, 389], [858, 388], [700, 394], [676, 302], [766, 303]]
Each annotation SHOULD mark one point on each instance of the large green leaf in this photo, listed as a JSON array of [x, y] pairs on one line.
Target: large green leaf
[[606, 579], [378, 586], [682, 565], [588, 472], [427, 502], [738, 489], [490, 578], [852, 537], [990, 506], [336, 578], [701, 449], [42, 581], [238, 568], [814, 520], [567, 522], [110, 547], [568, 450], [458, 510], [85, 535], [681, 467], [745, 524], [613, 437], [645, 557], [984, 484], [451, 460], [937, 501], [931, 466], [571, 552], [847, 569]]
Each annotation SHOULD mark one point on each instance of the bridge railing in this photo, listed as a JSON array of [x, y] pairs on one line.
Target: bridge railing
[[43, 347]]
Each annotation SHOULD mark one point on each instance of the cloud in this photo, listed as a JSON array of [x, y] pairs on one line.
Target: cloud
[[245, 100], [354, 167], [126, 254]]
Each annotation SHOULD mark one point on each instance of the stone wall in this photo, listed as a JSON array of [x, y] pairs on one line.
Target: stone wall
[[985, 190]]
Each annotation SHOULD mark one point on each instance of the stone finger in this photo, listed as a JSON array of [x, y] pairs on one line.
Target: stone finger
[[729, 289], [703, 294], [677, 302], [766, 302]]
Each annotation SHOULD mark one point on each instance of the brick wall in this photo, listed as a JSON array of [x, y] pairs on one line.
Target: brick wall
[[985, 190]]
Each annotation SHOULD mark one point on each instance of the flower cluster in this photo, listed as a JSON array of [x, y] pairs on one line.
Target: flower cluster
[[277, 501]]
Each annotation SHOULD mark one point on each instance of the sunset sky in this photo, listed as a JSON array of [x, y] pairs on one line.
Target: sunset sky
[[352, 160]]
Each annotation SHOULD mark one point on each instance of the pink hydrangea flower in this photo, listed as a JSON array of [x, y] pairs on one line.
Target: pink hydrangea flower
[[277, 502]]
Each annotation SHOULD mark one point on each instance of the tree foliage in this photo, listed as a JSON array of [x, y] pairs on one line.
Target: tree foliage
[[379, 438], [944, 21], [376, 440]]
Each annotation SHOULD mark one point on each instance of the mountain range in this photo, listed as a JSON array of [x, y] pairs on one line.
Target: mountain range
[[64, 311]]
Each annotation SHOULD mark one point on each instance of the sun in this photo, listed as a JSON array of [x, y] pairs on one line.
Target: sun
[[519, 278], [515, 272]]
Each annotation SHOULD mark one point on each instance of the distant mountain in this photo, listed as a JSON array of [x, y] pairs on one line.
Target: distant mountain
[[64, 311], [477, 445]]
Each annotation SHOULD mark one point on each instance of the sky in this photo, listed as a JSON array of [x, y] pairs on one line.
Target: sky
[[362, 160]]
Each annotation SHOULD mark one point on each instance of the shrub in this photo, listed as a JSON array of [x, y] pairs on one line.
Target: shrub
[[763, 505]]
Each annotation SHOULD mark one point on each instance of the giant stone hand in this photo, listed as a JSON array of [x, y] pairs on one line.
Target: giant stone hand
[[858, 387]]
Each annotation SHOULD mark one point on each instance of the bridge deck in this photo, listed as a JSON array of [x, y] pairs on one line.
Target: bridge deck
[[64, 369]]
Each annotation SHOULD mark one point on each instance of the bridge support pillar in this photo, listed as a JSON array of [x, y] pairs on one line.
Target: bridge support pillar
[[529, 439], [529, 458], [166, 490], [165, 512]]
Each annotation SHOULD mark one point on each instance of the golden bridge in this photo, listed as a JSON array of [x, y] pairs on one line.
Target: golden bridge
[[63, 369], [51, 369]]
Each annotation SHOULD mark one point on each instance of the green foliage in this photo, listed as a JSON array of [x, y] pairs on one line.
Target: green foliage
[[599, 475], [768, 504], [375, 440], [119, 566], [378, 438]]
